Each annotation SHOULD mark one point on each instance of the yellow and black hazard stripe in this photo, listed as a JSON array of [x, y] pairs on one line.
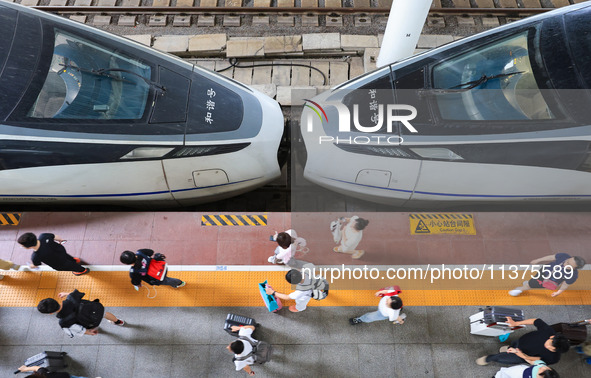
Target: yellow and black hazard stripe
[[445, 216], [233, 220], [10, 219]]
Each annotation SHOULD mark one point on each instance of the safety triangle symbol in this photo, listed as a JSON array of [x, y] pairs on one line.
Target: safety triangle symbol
[[422, 228]]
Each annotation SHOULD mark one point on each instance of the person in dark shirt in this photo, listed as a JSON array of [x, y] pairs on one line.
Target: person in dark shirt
[[68, 314], [41, 372], [558, 272], [48, 249], [543, 344], [140, 262]]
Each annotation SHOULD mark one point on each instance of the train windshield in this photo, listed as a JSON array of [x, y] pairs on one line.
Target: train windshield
[[494, 82], [89, 81]]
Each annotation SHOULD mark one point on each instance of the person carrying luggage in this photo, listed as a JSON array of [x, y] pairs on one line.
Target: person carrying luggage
[[41, 372], [306, 287], [248, 351], [77, 316], [543, 344], [149, 267]]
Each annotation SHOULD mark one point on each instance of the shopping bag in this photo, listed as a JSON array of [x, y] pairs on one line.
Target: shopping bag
[[270, 300]]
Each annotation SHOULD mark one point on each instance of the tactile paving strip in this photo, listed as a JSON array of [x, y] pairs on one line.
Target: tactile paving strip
[[212, 289]]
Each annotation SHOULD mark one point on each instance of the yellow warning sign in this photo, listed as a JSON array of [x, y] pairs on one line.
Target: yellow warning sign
[[441, 223], [10, 219]]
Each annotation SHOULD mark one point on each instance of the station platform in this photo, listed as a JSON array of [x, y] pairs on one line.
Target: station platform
[[179, 332]]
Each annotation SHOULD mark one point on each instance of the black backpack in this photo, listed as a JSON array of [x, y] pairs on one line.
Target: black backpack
[[90, 313], [261, 351]]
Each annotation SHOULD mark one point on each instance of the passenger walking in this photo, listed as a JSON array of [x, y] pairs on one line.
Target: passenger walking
[[348, 232], [389, 308], [242, 348], [307, 287], [149, 267], [558, 272], [77, 316], [288, 244], [49, 249], [537, 369], [543, 344]]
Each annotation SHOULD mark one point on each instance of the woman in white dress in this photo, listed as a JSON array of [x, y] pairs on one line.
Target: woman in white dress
[[351, 234]]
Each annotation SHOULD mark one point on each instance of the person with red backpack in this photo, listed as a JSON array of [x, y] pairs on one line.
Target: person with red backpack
[[77, 316], [149, 267], [388, 308]]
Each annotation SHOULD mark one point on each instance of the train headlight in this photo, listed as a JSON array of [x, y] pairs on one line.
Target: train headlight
[[436, 153], [147, 152]]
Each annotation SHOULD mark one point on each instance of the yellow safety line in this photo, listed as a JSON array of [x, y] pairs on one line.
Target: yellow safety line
[[247, 219], [218, 288]]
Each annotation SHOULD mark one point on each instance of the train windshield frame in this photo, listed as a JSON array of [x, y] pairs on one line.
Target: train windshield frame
[[498, 81], [89, 81]]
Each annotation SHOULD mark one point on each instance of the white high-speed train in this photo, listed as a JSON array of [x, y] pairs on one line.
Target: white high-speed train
[[499, 117], [90, 117]]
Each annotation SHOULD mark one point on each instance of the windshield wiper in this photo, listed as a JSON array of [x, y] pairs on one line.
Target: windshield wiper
[[103, 72], [471, 84]]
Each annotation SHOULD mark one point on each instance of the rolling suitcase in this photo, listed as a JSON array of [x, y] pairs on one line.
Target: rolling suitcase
[[576, 333], [496, 314], [237, 320], [492, 321], [52, 361]]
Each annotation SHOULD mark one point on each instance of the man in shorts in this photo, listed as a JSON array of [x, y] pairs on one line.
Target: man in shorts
[[557, 274]]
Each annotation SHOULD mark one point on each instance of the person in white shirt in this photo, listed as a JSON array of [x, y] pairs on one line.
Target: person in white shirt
[[537, 369], [301, 297], [242, 348], [388, 308], [351, 232], [288, 243]]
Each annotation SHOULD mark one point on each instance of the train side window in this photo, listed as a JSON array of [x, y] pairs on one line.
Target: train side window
[[89, 81], [494, 82], [579, 40]]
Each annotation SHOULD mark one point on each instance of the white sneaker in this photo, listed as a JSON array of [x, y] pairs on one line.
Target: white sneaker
[[271, 259], [515, 293]]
